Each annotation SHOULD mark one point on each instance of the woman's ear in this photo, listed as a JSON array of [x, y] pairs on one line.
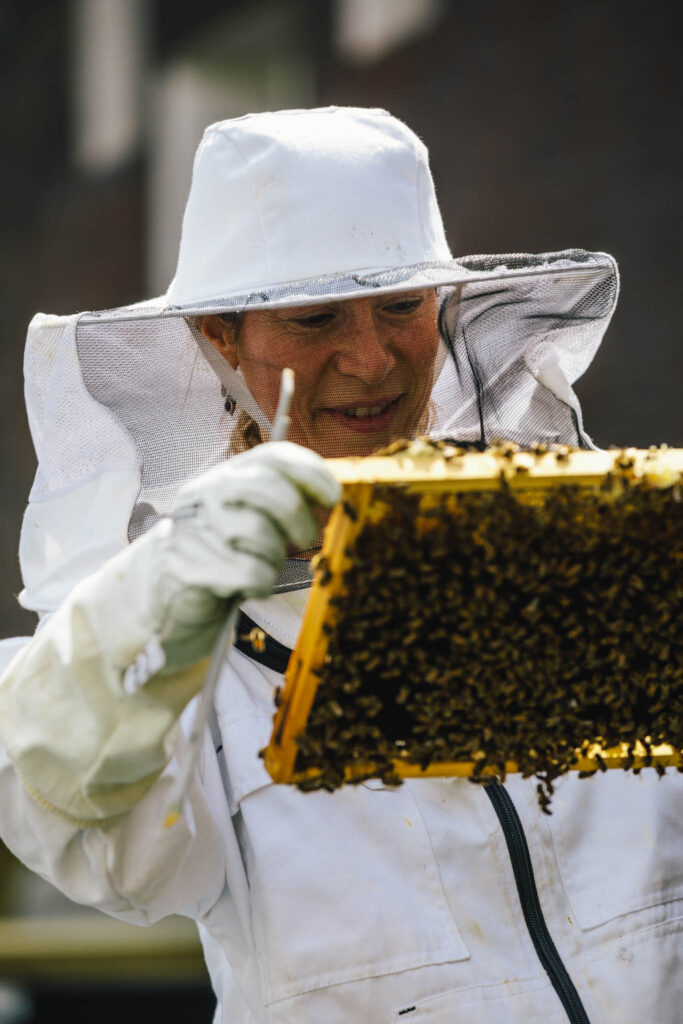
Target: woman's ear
[[222, 335]]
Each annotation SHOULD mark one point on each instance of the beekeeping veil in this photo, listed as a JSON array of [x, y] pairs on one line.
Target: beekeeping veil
[[286, 211]]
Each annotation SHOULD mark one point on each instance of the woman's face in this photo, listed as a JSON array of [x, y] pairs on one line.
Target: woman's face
[[364, 369]]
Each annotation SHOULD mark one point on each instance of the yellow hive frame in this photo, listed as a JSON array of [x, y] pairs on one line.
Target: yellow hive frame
[[419, 469]]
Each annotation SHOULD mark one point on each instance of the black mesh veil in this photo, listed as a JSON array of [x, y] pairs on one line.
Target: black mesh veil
[[478, 350]]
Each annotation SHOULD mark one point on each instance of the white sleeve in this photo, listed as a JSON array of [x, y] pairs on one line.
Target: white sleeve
[[82, 744], [132, 867]]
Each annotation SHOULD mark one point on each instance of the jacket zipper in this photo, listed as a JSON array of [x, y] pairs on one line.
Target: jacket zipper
[[531, 906]]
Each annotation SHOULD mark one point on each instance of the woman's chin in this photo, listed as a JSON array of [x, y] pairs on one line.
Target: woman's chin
[[344, 447], [341, 436]]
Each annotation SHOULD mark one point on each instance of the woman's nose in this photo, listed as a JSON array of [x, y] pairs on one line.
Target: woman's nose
[[365, 354]]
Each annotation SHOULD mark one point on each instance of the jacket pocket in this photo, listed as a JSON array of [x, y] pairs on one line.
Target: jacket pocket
[[523, 1000], [343, 886], [617, 840], [636, 975]]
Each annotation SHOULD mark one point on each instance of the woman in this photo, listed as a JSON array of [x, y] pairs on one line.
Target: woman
[[312, 239]]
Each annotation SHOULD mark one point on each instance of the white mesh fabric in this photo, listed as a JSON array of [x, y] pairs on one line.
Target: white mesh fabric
[[520, 341], [137, 388], [154, 379], [87, 479], [76, 437]]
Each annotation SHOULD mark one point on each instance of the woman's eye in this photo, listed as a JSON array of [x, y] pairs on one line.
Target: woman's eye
[[403, 305], [313, 320]]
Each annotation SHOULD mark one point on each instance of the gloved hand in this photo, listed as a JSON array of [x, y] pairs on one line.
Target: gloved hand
[[228, 536], [87, 744]]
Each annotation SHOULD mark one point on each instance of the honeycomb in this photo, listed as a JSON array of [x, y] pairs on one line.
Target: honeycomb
[[477, 613]]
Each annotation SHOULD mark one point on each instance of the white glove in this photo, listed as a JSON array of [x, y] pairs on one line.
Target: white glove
[[228, 536], [83, 742]]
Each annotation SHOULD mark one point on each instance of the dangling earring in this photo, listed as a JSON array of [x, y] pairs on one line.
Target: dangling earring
[[229, 402]]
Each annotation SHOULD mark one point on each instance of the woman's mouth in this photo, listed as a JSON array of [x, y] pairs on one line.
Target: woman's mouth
[[366, 418]]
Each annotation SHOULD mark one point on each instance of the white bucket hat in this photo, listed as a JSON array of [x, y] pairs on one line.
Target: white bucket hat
[[280, 200]]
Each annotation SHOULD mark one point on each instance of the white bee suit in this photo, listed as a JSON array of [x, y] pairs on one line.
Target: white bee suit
[[369, 904], [359, 904]]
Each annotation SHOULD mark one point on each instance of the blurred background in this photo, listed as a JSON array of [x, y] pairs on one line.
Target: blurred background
[[550, 125]]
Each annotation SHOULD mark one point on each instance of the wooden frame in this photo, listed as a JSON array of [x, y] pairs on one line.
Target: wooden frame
[[418, 468]]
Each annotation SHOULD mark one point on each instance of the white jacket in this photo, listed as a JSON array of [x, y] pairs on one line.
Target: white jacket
[[379, 905]]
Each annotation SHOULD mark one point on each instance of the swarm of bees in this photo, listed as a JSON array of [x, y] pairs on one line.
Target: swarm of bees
[[478, 627]]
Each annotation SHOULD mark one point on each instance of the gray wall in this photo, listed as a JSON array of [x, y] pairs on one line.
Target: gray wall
[[553, 125]]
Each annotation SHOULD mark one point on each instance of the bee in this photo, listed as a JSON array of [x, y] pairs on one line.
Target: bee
[[310, 785], [257, 638], [322, 570], [508, 449], [350, 511], [544, 800]]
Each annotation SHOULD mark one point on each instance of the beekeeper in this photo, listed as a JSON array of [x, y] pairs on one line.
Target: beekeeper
[[312, 240]]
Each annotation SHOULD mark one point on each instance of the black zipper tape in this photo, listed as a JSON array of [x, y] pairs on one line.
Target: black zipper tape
[[273, 654], [531, 906]]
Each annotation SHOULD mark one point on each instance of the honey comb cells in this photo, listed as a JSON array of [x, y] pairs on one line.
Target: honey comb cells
[[494, 627]]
